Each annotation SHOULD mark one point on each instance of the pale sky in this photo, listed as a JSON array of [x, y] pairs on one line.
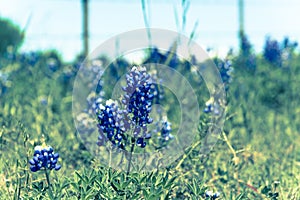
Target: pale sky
[[57, 23]]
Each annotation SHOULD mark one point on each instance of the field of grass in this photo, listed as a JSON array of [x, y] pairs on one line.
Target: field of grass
[[257, 156]]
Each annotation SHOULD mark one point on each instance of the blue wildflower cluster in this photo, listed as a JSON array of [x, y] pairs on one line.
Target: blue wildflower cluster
[[132, 114], [113, 122], [138, 98], [225, 69], [278, 53], [212, 196], [272, 52], [44, 158], [165, 133], [30, 58], [212, 106], [93, 102], [139, 94], [110, 125]]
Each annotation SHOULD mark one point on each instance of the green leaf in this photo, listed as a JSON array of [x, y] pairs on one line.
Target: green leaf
[[170, 182], [240, 196], [80, 177]]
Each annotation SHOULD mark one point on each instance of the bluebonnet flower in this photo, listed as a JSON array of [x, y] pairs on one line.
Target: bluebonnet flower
[[94, 101], [225, 69], [30, 58], [113, 122], [165, 133], [212, 106], [272, 52], [138, 98], [132, 115], [52, 64], [211, 195], [44, 158], [110, 124]]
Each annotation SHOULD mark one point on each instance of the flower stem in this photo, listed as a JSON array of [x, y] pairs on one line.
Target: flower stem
[[50, 192], [185, 156], [48, 179], [130, 156]]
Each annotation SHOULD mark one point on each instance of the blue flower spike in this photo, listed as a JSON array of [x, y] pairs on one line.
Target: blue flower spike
[[138, 99], [110, 124], [212, 107], [44, 158], [113, 122]]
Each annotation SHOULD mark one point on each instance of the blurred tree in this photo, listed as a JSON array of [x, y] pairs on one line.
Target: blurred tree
[[10, 36]]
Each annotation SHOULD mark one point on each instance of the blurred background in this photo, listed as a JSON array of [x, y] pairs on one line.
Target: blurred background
[[215, 24]]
